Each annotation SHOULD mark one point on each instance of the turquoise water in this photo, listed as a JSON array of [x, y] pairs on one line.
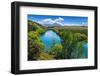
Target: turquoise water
[[86, 50], [50, 37]]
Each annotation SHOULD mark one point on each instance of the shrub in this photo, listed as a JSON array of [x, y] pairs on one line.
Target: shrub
[[35, 46]]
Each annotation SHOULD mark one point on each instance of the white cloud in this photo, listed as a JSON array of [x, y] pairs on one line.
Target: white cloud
[[84, 23], [59, 19], [60, 23], [48, 21], [51, 22]]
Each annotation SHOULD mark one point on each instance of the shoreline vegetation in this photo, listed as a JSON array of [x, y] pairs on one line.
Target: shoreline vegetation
[[72, 40]]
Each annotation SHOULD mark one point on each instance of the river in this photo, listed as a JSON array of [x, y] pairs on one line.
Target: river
[[50, 37]]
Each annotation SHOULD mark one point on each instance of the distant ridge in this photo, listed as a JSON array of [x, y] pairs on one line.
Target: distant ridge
[[33, 25]]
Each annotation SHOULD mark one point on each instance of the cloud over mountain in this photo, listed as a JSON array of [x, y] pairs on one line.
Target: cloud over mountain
[[52, 22]]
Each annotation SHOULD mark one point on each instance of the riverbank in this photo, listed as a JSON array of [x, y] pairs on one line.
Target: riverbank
[[63, 42]]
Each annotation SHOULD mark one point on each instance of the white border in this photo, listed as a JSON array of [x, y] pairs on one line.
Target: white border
[[26, 65]]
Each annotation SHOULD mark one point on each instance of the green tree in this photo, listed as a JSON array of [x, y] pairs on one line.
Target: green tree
[[57, 51], [72, 42], [35, 46]]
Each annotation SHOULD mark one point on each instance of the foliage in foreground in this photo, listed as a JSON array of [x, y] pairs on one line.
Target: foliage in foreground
[[71, 46]]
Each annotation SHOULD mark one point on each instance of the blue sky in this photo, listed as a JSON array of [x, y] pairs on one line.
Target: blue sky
[[60, 20]]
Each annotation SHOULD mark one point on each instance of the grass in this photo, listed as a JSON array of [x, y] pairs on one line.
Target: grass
[[45, 56]]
